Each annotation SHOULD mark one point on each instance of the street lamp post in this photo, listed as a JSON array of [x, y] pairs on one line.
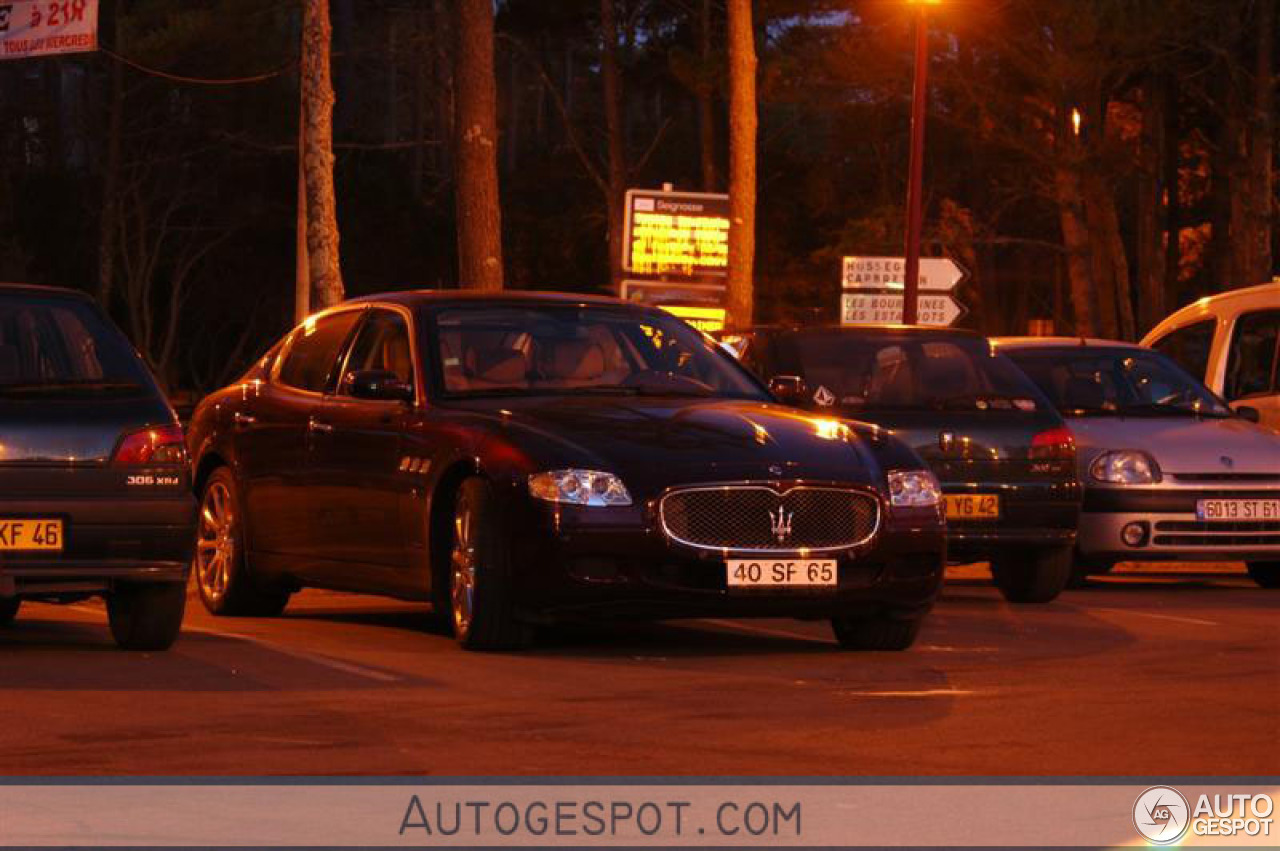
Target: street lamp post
[[915, 171]]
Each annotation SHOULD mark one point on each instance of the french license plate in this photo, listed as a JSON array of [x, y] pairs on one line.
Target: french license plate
[[30, 535], [1238, 509], [781, 573], [973, 506]]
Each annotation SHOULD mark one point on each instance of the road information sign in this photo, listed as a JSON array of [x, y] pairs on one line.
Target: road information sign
[[886, 308], [676, 234], [937, 274], [47, 27]]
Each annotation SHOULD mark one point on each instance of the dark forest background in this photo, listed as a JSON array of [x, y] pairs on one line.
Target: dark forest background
[[1093, 162]]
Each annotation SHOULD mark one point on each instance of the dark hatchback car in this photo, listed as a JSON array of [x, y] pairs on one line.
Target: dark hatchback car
[[95, 492], [521, 459], [1001, 451]]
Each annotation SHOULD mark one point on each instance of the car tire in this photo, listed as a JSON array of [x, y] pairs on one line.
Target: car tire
[[1265, 573], [481, 597], [146, 616], [1038, 577], [879, 632], [9, 610], [221, 568]]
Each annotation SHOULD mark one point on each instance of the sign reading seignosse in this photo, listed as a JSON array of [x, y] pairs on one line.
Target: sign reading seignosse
[[676, 234], [47, 27]]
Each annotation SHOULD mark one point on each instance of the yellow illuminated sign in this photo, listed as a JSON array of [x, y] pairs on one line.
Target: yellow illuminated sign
[[680, 234], [708, 320]]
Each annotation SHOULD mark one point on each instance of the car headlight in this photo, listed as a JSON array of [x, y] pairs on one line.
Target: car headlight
[[1126, 467], [579, 487], [914, 489]]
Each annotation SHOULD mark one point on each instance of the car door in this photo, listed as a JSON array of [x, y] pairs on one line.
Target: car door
[[1252, 363], [361, 477], [272, 435]]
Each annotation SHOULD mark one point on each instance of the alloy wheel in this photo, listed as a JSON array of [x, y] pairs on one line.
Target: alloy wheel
[[463, 564], [216, 544]]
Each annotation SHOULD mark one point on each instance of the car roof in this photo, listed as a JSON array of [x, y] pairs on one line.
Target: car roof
[[1025, 343], [1211, 307], [41, 289], [878, 330], [413, 298]]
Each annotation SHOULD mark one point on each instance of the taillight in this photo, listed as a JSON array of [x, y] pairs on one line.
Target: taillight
[[160, 446], [1054, 443]]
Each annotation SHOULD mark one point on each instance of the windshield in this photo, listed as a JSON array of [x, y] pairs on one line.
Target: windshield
[[543, 350], [1087, 381], [891, 372], [52, 345]]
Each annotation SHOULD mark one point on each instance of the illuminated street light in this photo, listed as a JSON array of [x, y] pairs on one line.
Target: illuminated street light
[[1075, 121], [915, 172]]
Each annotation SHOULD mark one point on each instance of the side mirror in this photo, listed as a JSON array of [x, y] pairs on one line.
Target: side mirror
[[379, 386], [1249, 413], [789, 389]]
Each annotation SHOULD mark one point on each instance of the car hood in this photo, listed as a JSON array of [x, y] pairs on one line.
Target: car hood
[[664, 441], [1183, 444]]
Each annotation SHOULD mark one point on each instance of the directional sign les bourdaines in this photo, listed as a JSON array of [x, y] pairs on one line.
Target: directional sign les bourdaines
[[937, 274]]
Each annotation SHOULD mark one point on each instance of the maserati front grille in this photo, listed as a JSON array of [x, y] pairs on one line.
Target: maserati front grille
[[758, 518]]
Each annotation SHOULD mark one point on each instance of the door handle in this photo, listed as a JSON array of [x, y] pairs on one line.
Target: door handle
[[243, 420], [315, 425]]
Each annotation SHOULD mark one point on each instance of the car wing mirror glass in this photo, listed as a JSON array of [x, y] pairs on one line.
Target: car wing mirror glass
[[789, 389], [1249, 413], [379, 386]]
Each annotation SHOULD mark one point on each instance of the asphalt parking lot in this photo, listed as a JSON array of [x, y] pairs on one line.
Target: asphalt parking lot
[[1152, 671]]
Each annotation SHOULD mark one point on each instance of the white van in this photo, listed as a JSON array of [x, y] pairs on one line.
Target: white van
[[1232, 341]]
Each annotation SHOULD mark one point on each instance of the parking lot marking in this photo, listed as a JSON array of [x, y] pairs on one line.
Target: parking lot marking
[[313, 658], [927, 692], [1173, 618], [764, 630]]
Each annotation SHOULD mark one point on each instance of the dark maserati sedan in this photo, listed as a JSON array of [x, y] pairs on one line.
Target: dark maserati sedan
[[521, 459], [95, 492], [1005, 459]]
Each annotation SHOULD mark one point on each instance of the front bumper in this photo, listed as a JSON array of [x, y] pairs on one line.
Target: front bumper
[[107, 541], [1174, 533], [614, 563]]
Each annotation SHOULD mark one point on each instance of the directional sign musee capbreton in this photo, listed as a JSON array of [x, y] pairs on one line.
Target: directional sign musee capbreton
[[937, 274]]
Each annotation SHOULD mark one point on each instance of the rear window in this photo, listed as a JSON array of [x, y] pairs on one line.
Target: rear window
[[51, 343], [876, 372]]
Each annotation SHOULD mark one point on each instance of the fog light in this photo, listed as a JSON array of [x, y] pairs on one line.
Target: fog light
[[1134, 534]]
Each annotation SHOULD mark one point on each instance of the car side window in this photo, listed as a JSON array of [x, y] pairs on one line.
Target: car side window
[[1189, 346], [382, 345], [1251, 360], [309, 361]]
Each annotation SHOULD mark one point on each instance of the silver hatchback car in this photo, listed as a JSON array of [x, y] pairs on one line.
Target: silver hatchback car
[[1170, 472]]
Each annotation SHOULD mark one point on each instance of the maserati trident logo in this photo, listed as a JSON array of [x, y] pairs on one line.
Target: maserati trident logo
[[947, 441], [780, 524]]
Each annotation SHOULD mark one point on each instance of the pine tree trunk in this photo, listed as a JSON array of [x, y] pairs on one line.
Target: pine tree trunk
[[617, 137], [1262, 206], [476, 148], [742, 163], [1172, 165], [1150, 247], [1075, 239], [317, 162]]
